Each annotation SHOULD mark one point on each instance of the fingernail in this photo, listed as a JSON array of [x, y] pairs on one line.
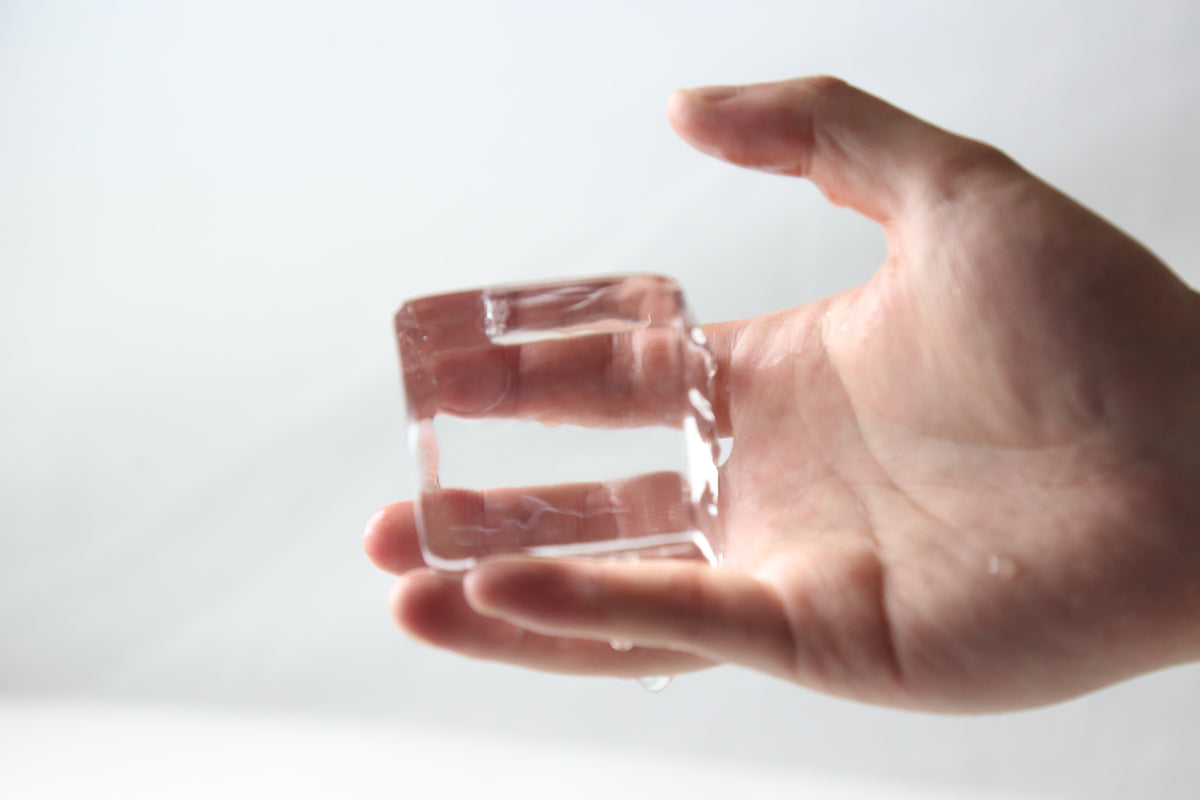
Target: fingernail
[[470, 384], [716, 94]]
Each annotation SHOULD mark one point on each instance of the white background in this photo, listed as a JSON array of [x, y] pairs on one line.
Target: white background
[[208, 212]]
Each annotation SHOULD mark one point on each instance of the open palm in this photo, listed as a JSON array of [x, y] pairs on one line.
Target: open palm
[[968, 484]]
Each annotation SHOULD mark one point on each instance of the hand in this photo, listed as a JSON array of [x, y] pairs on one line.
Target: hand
[[971, 484]]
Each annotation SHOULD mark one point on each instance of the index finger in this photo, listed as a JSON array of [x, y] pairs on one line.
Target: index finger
[[607, 352]]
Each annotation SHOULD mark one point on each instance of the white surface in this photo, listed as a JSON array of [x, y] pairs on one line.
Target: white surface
[[86, 751], [209, 210]]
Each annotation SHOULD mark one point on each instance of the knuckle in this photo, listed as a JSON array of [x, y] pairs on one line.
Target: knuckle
[[965, 167], [825, 85]]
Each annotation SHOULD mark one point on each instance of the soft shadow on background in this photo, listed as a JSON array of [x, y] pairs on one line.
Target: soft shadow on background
[[208, 212]]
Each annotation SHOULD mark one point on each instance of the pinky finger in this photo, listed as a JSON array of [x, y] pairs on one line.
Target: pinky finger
[[716, 614], [431, 607]]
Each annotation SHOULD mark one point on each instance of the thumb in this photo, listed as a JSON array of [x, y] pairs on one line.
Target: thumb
[[859, 150]]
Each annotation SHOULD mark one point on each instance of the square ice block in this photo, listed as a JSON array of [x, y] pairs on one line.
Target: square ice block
[[566, 419]]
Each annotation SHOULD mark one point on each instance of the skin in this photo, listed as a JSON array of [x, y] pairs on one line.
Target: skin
[[971, 484]]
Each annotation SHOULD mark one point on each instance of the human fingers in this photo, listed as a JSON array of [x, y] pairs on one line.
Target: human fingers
[[600, 373], [430, 606], [858, 149], [390, 540], [462, 525], [716, 614], [605, 380], [618, 380]]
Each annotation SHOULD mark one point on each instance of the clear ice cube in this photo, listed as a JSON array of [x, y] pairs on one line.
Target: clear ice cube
[[566, 419]]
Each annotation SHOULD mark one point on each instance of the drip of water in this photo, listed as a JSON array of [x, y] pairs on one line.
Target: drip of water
[[1002, 566], [654, 683], [621, 646]]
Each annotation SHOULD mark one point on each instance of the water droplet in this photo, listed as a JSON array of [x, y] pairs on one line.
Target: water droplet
[[1001, 566], [654, 683], [621, 646]]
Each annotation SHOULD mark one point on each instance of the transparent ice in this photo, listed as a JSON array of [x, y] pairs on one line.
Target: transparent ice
[[568, 419]]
